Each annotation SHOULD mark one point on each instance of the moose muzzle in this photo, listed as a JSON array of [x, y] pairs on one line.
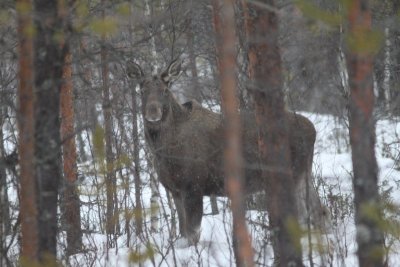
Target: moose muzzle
[[153, 112]]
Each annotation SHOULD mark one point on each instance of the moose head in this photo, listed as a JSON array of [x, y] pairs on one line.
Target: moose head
[[155, 90]]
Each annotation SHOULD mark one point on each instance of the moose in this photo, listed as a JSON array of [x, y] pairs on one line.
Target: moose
[[187, 143]]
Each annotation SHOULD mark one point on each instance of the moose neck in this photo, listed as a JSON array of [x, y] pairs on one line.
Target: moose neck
[[178, 112]]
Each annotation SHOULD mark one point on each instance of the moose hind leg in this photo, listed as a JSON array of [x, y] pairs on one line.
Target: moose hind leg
[[309, 205]]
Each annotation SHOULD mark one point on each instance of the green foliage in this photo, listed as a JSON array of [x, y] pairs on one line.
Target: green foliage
[[100, 155], [48, 260], [98, 143], [295, 231], [104, 26], [24, 262], [372, 211], [4, 17], [123, 9], [391, 212], [360, 40], [365, 41], [23, 7], [310, 10], [138, 256]]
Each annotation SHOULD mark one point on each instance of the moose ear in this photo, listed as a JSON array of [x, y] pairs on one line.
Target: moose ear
[[134, 71], [172, 72]]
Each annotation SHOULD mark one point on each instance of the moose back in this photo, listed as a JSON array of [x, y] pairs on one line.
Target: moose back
[[187, 143]]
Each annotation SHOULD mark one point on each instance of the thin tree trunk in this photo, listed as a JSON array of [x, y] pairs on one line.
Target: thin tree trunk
[[267, 88], [110, 175], [379, 79], [70, 197], [154, 203], [48, 62], [214, 205], [111, 216], [368, 214], [81, 144], [26, 123], [226, 47], [394, 70], [82, 66], [386, 68], [88, 83], [135, 137], [153, 49], [195, 88], [5, 220], [120, 150]]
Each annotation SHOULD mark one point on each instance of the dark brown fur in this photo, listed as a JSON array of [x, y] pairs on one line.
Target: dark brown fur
[[187, 142]]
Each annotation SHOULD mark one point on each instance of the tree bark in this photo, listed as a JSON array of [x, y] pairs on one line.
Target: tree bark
[[135, 137], [110, 178], [70, 194], [26, 122], [226, 50], [48, 62], [266, 86], [394, 70], [5, 220], [154, 203], [195, 94], [368, 214]]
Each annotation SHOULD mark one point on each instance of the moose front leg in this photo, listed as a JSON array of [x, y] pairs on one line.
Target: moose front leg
[[178, 200], [193, 204], [190, 211]]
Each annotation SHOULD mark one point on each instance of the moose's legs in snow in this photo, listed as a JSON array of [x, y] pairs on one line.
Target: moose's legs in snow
[[193, 203], [190, 211], [309, 205], [181, 212]]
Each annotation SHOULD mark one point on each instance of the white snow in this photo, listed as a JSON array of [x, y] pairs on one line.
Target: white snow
[[332, 170]]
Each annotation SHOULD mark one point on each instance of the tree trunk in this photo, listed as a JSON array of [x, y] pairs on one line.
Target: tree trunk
[[48, 62], [267, 89], [136, 148], [395, 66], [154, 203], [110, 178], [195, 88], [26, 124], [108, 143], [368, 214], [70, 195], [5, 220], [226, 53]]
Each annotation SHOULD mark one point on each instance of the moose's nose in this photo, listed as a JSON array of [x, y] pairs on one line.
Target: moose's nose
[[153, 112]]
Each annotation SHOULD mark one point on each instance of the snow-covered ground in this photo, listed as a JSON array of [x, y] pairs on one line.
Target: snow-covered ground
[[332, 171]]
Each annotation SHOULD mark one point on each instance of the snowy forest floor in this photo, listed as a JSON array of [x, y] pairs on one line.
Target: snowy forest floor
[[332, 171]]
